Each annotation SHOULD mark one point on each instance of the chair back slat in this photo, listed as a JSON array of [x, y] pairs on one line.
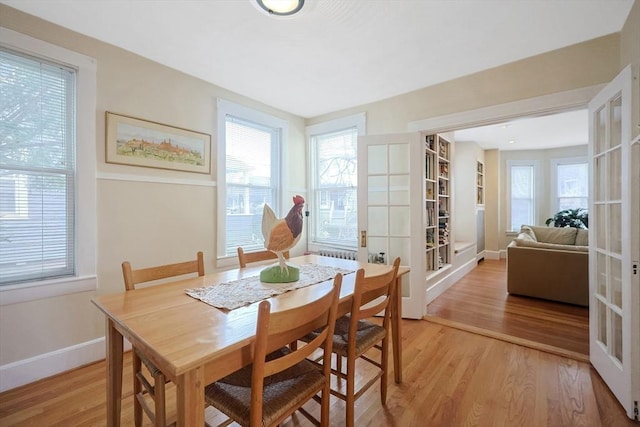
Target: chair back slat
[[303, 320], [142, 275], [245, 258], [371, 288]]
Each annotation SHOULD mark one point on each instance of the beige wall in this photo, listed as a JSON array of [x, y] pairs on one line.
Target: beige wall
[[630, 37], [492, 220], [464, 169], [137, 219], [585, 64], [141, 221]]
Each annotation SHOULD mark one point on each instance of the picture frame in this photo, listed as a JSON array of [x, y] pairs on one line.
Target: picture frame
[[137, 142]]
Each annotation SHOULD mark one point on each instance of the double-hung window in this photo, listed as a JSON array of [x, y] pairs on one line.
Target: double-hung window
[[249, 175], [47, 169], [521, 177], [37, 172], [570, 178], [334, 182]]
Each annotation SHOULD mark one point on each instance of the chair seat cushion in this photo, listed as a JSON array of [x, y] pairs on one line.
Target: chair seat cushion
[[367, 336], [232, 394]]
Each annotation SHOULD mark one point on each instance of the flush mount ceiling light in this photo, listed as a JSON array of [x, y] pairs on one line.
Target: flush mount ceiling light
[[281, 7]]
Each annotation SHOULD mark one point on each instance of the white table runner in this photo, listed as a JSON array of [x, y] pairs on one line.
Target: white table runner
[[241, 292]]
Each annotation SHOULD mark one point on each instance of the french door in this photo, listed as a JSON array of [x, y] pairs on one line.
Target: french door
[[614, 237], [389, 210]]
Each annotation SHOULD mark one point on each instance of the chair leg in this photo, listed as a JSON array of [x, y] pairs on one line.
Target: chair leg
[[338, 364], [137, 388], [350, 395], [324, 406], [384, 362]]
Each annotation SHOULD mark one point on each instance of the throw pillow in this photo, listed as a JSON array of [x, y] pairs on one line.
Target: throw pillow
[[525, 229]]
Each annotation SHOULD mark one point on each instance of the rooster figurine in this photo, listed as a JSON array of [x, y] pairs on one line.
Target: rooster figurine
[[280, 235]]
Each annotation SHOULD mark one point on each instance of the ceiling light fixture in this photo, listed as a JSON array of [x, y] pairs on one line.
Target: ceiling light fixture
[[512, 141], [281, 7]]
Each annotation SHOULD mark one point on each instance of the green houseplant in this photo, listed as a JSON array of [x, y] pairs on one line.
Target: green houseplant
[[577, 218]]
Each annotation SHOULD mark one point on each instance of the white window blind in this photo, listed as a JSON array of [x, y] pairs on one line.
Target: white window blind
[[37, 169], [335, 188], [521, 188], [251, 180], [572, 186]]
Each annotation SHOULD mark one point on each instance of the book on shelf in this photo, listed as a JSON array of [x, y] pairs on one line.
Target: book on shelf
[[443, 151], [430, 141]]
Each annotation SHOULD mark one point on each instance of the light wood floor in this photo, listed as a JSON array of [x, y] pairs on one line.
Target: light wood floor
[[451, 378], [479, 302]]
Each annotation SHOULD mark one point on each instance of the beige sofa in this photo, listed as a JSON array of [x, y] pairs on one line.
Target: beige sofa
[[550, 263]]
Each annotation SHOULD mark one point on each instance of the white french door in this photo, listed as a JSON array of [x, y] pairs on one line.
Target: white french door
[[614, 232], [389, 210]]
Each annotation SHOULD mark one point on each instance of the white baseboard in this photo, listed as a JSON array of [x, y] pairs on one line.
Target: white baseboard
[[35, 368], [492, 254], [446, 282]]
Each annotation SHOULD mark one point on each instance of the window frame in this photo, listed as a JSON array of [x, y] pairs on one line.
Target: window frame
[[562, 161], [357, 121], [534, 164], [227, 108], [85, 179]]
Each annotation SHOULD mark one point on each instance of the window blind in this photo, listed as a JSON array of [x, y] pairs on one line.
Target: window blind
[[251, 181], [522, 191], [572, 186], [37, 169], [335, 188]]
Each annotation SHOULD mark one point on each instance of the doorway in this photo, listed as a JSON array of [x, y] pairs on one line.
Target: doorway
[[486, 122]]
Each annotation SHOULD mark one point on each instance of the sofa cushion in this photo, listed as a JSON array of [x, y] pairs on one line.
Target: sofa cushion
[[582, 237], [525, 241], [557, 235]]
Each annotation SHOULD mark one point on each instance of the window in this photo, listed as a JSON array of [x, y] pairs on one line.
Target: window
[[334, 182], [37, 169], [571, 181], [521, 187], [249, 176], [47, 170]]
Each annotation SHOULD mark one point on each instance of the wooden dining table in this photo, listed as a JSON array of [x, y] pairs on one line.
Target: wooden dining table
[[195, 344]]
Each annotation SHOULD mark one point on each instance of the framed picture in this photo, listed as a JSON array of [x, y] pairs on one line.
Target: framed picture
[[137, 142]]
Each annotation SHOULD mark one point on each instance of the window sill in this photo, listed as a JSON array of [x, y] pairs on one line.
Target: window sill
[[24, 292]]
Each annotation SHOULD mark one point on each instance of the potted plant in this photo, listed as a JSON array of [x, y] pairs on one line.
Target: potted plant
[[577, 218]]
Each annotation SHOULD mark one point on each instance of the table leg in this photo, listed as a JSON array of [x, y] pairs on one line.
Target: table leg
[[114, 374], [396, 330], [190, 398]]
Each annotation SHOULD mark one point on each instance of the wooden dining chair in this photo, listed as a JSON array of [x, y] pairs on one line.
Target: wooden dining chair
[[354, 336], [249, 257], [280, 382], [154, 387]]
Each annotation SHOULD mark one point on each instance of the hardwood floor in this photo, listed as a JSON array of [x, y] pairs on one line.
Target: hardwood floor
[[479, 302], [452, 377]]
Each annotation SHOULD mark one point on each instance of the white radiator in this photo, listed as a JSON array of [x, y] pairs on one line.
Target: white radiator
[[334, 253]]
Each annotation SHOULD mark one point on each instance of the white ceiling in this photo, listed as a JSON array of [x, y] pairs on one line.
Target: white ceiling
[[536, 133], [334, 54]]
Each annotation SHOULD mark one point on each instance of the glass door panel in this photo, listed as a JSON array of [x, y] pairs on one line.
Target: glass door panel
[[613, 313], [388, 200]]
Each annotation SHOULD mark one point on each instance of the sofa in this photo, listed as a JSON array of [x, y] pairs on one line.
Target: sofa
[[550, 263]]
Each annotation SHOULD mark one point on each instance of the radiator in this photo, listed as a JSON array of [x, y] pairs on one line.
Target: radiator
[[333, 253]]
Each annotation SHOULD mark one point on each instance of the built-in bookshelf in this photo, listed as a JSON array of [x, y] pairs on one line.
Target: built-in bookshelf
[[437, 201], [480, 184]]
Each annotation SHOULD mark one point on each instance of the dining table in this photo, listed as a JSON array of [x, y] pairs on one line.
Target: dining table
[[194, 343]]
